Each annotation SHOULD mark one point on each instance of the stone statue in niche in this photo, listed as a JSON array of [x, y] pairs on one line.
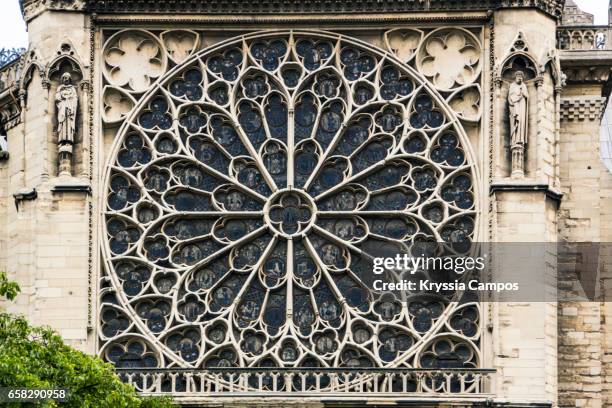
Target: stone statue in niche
[[66, 100], [518, 103]]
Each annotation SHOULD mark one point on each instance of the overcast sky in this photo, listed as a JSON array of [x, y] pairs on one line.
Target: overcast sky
[[13, 33]]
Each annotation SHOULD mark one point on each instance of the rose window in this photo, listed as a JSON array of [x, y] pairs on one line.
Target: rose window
[[250, 189]]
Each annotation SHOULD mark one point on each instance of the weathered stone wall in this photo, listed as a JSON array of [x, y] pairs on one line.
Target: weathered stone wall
[[584, 216], [45, 241]]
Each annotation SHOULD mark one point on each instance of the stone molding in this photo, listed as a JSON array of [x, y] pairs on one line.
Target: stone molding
[[552, 7], [580, 109], [32, 8], [525, 186]]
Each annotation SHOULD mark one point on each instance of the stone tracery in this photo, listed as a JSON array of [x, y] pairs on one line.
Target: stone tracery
[[250, 189]]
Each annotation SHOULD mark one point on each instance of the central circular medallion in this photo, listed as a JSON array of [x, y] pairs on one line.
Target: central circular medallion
[[290, 212]]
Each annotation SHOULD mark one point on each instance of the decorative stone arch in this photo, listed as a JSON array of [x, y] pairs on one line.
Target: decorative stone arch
[[249, 188], [66, 59], [31, 62], [519, 57]]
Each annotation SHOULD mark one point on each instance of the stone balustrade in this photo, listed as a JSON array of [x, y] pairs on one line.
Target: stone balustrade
[[331, 382], [584, 38]]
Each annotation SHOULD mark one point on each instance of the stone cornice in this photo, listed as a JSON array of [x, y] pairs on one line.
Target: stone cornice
[[32, 8], [525, 186], [588, 67], [552, 7]]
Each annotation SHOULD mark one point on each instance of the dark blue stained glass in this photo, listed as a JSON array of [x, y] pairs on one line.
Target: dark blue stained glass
[[193, 252], [191, 175], [313, 54], [236, 229], [276, 116], [330, 308], [355, 295], [389, 119], [123, 193], [325, 343], [373, 153], [466, 321], [255, 86], [459, 192], [183, 200], [363, 94], [122, 235], [193, 120], [356, 133], [393, 342], [147, 213], [425, 113], [133, 275], [388, 309], [217, 333], [227, 65], [345, 200], [154, 312], [191, 307], [185, 344], [251, 304], [113, 322], [290, 212], [156, 179], [219, 93], [415, 144], [291, 76], [305, 116], [329, 123], [388, 176], [166, 144], [356, 63], [156, 249], [251, 121], [354, 359], [189, 86], [209, 154], [135, 152], [327, 85], [424, 179], [448, 151], [253, 344], [305, 163], [465, 223], [131, 355], [248, 254], [165, 282], [224, 294], [393, 85], [269, 54], [434, 213], [275, 161], [187, 228], [224, 133], [303, 312], [330, 177], [157, 117], [275, 313]]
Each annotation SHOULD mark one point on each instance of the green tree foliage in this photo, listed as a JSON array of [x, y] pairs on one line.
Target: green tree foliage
[[36, 357], [8, 289]]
